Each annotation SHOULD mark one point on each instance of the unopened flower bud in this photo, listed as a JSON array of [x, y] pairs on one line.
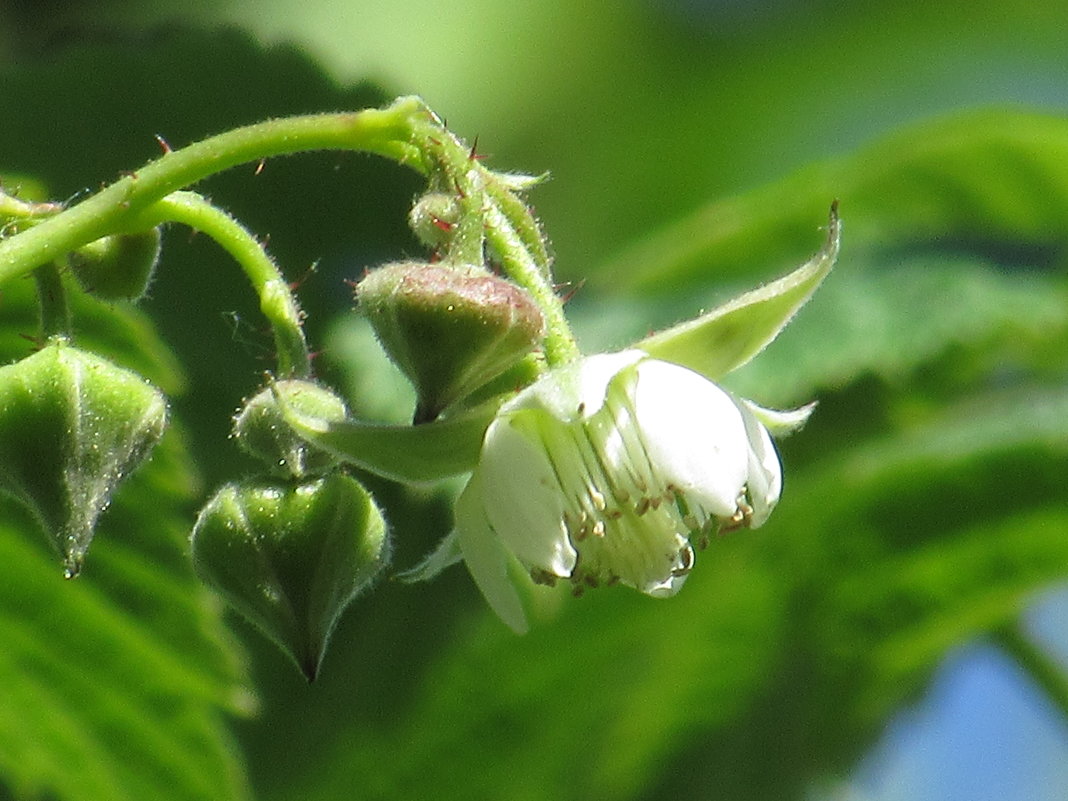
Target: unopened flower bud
[[261, 430], [117, 267], [434, 217], [449, 329], [72, 426], [291, 556]]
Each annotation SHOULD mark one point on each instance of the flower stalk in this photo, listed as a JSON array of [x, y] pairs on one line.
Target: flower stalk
[[383, 131], [276, 300]]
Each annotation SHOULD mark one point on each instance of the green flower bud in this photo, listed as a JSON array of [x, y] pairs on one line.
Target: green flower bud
[[72, 426], [261, 430], [449, 329], [117, 267], [434, 217], [290, 557]]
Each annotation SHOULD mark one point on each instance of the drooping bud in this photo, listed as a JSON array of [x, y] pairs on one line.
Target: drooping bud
[[117, 267], [449, 329], [434, 217], [291, 556], [72, 426], [611, 470], [261, 430]]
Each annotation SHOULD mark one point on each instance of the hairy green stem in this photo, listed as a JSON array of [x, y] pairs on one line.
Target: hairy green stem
[[276, 300], [407, 132], [560, 345], [509, 229], [52, 301], [1047, 674], [387, 132]]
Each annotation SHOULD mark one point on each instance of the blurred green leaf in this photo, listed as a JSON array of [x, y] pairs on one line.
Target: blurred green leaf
[[115, 684], [972, 181]]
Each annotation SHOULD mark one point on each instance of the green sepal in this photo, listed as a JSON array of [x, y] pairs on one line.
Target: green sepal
[[445, 555], [729, 336], [72, 426], [291, 556], [781, 422], [420, 453]]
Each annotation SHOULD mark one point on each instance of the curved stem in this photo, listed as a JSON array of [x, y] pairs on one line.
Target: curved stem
[[276, 300], [560, 345], [387, 132], [407, 132]]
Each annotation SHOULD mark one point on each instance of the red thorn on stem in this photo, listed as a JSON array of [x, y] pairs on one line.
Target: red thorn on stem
[[299, 282], [442, 224], [163, 145], [474, 155], [573, 291], [259, 167]]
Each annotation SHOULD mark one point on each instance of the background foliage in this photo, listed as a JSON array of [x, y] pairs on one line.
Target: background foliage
[[695, 148]]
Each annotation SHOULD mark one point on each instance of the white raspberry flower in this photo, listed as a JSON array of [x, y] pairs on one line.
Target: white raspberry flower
[[611, 470]]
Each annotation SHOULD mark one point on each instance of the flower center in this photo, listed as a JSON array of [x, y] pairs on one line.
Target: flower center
[[625, 522]]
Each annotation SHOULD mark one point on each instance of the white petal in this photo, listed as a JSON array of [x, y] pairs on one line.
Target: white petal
[[522, 496], [487, 559], [694, 434], [575, 390], [765, 471]]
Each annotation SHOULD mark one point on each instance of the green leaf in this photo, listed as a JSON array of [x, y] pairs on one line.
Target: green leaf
[[114, 683], [917, 543], [730, 335], [426, 452], [977, 179]]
